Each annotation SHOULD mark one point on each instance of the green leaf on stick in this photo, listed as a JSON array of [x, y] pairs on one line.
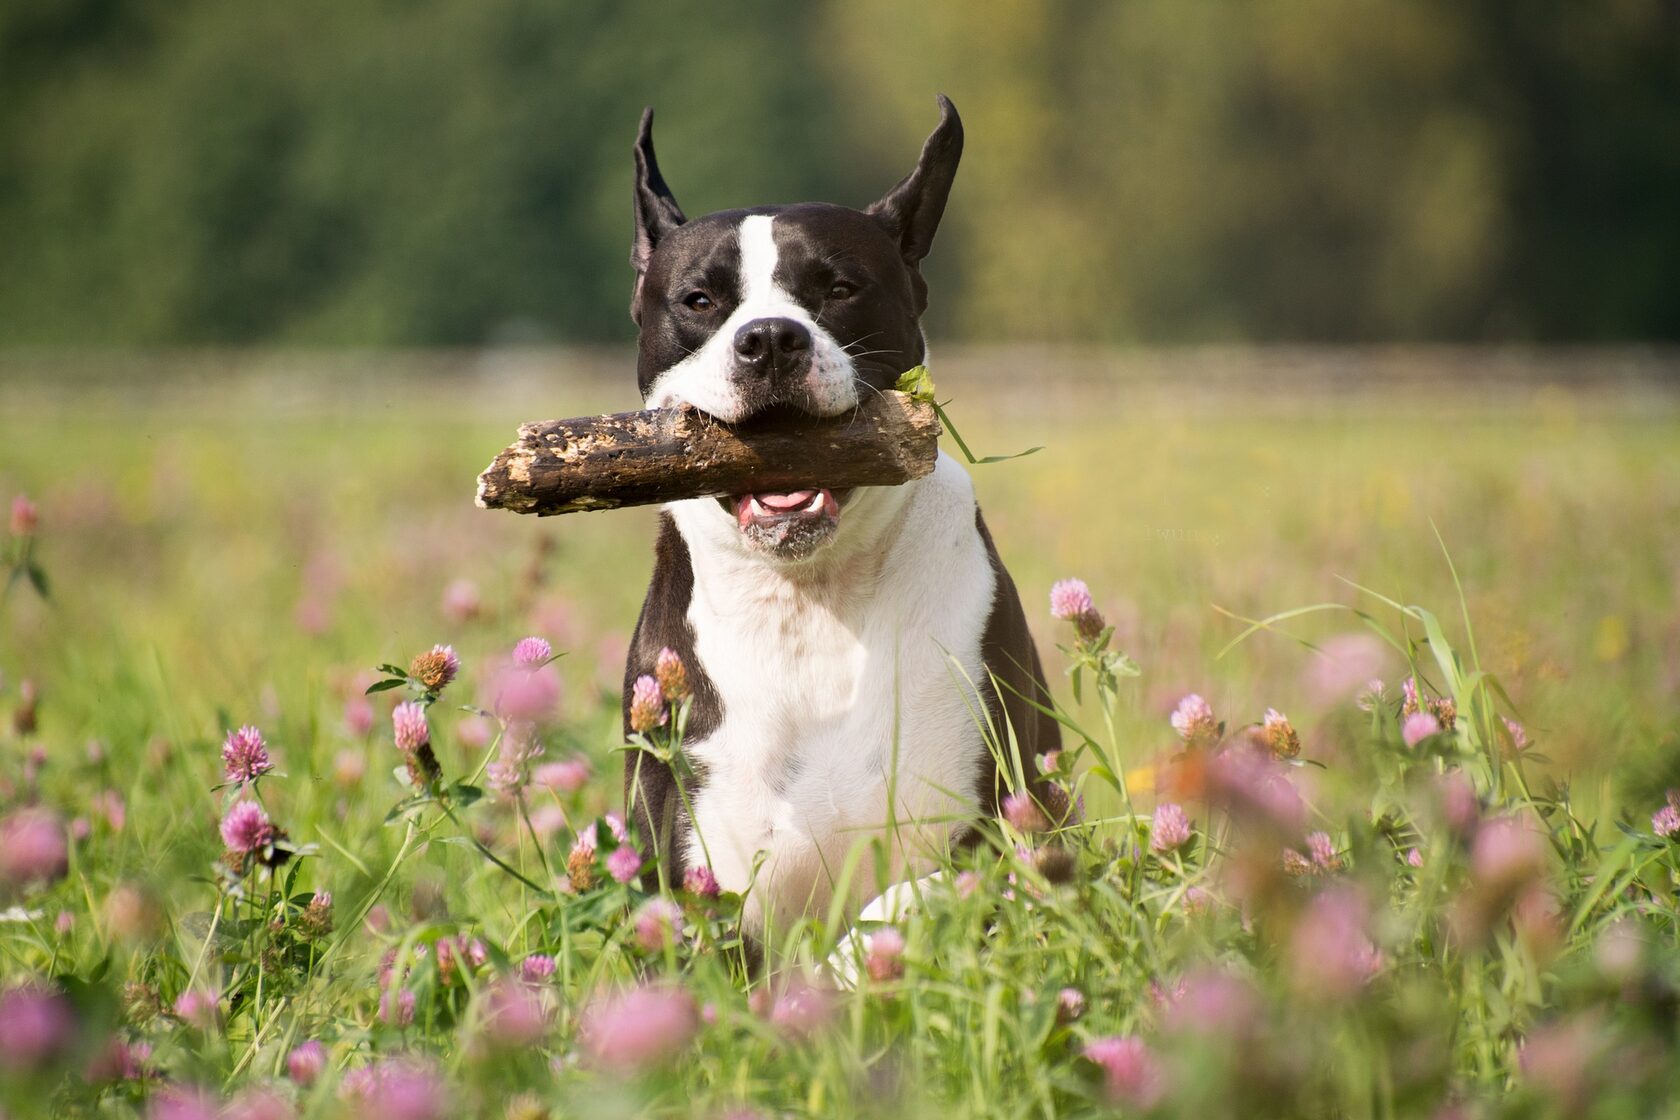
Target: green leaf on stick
[[917, 383]]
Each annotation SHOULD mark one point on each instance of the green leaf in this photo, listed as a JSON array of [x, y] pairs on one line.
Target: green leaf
[[1606, 883], [917, 383], [200, 925], [38, 578], [945, 419], [1098, 770], [1257, 624], [1442, 651], [393, 670], [1120, 664], [382, 686], [406, 805], [463, 794]]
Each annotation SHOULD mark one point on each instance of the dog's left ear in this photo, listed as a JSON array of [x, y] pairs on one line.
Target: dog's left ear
[[911, 210]]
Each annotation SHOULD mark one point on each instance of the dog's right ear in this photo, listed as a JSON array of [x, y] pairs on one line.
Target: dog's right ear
[[657, 213]]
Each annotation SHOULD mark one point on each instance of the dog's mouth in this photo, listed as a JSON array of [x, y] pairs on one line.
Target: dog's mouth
[[789, 524], [763, 509]]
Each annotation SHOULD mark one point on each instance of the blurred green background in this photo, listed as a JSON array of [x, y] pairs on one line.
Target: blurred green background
[[422, 172]]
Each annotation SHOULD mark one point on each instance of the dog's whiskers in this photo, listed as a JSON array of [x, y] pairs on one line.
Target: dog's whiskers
[[847, 347]]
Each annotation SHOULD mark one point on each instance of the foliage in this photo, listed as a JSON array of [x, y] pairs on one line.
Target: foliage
[[1279, 952], [457, 173]]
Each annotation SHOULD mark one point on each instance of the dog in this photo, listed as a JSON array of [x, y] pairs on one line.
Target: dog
[[860, 666]]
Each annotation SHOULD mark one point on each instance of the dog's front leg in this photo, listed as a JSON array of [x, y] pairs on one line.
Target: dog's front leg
[[892, 905]]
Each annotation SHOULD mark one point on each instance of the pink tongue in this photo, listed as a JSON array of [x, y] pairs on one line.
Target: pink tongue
[[785, 501]]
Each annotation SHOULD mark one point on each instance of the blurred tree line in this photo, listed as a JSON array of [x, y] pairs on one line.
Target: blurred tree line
[[429, 172]]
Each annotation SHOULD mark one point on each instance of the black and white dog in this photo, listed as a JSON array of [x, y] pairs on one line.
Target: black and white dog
[[841, 645]]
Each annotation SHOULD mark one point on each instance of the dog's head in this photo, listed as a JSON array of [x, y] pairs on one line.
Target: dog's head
[[802, 307]]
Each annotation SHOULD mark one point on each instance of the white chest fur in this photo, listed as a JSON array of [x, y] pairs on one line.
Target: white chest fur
[[847, 689]]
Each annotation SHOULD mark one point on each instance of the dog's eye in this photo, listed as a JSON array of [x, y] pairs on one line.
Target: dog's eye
[[842, 290], [698, 301]]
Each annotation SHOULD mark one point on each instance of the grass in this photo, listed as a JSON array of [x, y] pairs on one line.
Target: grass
[[233, 552]]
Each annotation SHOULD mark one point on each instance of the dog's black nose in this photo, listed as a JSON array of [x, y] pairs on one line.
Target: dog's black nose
[[771, 344]]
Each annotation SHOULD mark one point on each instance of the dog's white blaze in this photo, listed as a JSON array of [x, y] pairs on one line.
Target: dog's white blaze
[[822, 667], [705, 379], [758, 262]]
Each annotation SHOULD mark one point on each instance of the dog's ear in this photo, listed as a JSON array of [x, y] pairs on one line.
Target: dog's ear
[[657, 213], [911, 210]]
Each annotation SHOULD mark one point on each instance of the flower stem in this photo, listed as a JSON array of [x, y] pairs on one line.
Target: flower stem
[[492, 856]]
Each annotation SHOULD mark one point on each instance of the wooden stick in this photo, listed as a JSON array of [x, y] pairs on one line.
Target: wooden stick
[[665, 455]]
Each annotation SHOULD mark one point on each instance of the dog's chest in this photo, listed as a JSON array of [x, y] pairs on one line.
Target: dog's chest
[[848, 705]]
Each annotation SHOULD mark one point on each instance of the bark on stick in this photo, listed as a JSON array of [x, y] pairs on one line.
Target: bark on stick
[[664, 455]]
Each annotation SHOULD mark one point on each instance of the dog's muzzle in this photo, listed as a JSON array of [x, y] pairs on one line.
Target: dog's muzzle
[[790, 525]]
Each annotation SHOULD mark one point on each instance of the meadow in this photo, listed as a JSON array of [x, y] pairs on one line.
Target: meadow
[[1456, 899]]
